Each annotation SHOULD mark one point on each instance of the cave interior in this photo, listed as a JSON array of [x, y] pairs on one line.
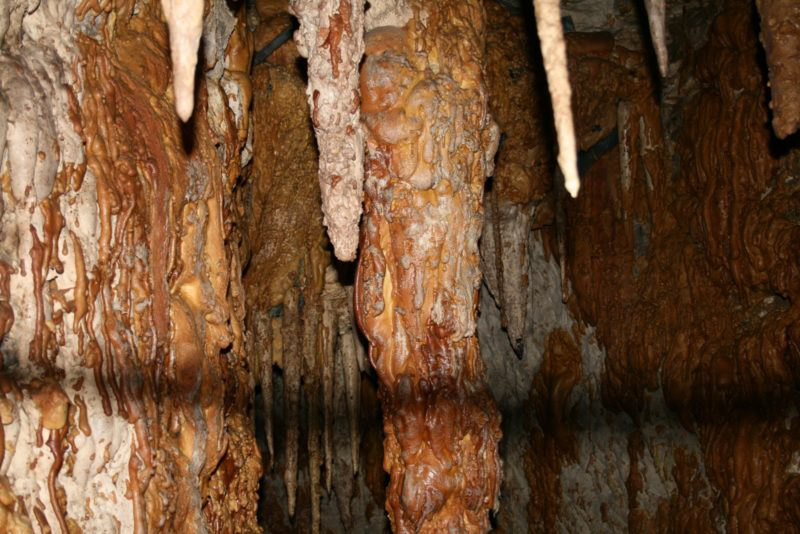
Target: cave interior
[[410, 266]]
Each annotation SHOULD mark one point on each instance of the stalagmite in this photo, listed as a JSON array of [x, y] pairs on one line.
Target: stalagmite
[[554, 55], [430, 146], [780, 37], [185, 21], [656, 18], [331, 37]]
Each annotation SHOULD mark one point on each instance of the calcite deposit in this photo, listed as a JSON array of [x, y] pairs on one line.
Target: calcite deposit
[[331, 36], [122, 348], [187, 345], [430, 145]]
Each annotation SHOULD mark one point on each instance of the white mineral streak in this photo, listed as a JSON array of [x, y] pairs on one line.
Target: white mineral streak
[[185, 22], [387, 13], [554, 55], [656, 11], [331, 36]]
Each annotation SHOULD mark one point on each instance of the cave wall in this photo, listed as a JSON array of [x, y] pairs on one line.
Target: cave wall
[[655, 390], [124, 374]]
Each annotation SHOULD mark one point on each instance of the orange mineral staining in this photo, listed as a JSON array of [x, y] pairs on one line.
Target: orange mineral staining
[[430, 144]]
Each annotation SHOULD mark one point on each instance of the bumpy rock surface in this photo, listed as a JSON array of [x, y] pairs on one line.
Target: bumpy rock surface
[[430, 144], [123, 374]]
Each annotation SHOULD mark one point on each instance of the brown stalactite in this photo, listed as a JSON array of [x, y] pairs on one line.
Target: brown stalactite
[[132, 269], [329, 297], [430, 145], [780, 36], [311, 386], [292, 365]]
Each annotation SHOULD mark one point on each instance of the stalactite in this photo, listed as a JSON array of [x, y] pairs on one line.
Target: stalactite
[[780, 37], [330, 296], [262, 328], [311, 386], [554, 55], [343, 485], [430, 147], [185, 20], [331, 37], [352, 375], [656, 18], [292, 367]]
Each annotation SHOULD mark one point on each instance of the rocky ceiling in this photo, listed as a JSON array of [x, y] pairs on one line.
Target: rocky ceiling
[[399, 265]]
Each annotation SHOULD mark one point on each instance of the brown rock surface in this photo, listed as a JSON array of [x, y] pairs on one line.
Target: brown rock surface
[[430, 144]]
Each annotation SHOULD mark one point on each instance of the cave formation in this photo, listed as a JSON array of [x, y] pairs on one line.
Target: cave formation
[[399, 266]]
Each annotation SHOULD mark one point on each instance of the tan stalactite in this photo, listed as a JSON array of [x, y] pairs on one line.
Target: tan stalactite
[[263, 333], [292, 367], [554, 55], [430, 146], [331, 37], [656, 18], [185, 22], [780, 36], [352, 376], [330, 296], [311, 386]]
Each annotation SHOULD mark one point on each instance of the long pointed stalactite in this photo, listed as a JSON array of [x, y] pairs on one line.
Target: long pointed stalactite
[[554, 55], [430, 145], [656, 18], [331, 37]]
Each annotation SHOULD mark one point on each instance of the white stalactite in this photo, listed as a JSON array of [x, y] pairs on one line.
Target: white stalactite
[[656, 17], [185, 21], [554, 54]]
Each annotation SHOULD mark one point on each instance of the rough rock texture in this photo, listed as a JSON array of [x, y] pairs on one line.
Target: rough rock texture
[[123, 374], [331, 37], [430, 145], [523, 170], [309, 357], [674, 412], [780, 35]]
